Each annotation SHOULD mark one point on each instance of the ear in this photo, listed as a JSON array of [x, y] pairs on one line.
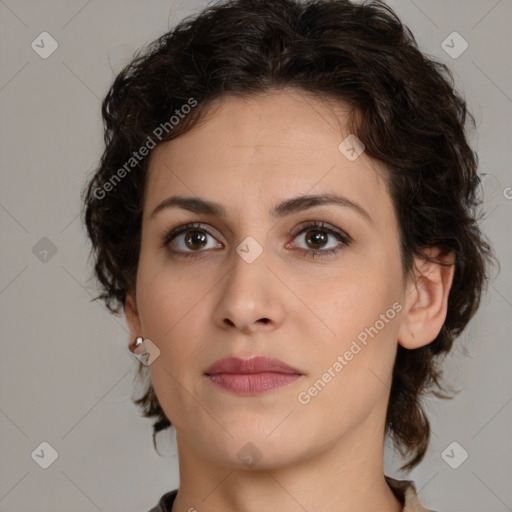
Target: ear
[[132, 316], [426, 301]]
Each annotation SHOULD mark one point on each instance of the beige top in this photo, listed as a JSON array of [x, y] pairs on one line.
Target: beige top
[[404, 490]]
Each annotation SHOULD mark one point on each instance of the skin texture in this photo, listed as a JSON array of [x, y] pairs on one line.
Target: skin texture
[[248, 156]]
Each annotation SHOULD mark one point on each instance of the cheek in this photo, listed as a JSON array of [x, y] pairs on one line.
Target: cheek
[[175, 309], [356, 318], [173, 315], [352, 298], [351, 370], [166, 298]]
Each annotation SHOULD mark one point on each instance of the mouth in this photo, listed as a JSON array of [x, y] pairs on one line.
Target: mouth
[[251, 376]]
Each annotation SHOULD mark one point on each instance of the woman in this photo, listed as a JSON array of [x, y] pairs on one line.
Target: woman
[[285, 211]]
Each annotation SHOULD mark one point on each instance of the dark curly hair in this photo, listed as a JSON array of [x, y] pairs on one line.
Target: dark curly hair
[[404, 108]]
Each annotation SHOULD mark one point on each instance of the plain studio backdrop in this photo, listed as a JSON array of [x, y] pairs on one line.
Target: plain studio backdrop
[[66, 375]]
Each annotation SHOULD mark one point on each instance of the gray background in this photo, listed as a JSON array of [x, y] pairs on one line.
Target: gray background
[[65, 373]]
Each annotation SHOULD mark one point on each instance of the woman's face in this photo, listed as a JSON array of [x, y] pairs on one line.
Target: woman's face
[[264, 271]]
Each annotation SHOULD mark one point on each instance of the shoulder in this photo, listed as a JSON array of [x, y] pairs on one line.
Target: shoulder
[[405, 491], [165, 503]]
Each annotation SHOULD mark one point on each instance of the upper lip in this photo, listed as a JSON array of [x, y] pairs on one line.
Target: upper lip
[[256, 364]]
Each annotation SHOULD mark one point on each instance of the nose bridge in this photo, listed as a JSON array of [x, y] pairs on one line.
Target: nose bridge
[[248, 276], [248, 296]]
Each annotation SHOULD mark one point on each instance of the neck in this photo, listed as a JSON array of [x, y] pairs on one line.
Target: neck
[[343, 476]]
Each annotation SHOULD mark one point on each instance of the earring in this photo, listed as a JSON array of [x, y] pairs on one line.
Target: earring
[[144, 350], [139, 340]]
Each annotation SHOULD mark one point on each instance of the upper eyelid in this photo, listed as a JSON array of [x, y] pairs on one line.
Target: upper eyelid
[[326, 226], [205, 226]]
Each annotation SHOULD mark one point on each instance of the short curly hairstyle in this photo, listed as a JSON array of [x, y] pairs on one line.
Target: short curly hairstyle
[[404, 108]]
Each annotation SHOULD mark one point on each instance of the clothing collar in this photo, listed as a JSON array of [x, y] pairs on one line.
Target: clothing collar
[[404, 490]]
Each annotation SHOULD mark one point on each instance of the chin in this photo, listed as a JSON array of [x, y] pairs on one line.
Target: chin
[[252, 451]]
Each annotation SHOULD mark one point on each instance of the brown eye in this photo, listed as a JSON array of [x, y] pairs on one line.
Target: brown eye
[[189, 239], [316, 239], [195, 240], [319, 239]]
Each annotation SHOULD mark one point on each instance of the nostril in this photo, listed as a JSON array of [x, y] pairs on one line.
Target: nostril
[[232, 324]]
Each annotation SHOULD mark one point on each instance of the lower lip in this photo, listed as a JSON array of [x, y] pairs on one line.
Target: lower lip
[[252, 383]]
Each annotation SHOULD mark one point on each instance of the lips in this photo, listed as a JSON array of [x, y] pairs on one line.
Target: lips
[[248, 366], [251, 376]]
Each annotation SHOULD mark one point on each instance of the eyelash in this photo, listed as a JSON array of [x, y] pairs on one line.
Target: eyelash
[[341, 236]]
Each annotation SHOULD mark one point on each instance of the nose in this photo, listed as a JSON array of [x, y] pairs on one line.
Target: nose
[[250, 297]]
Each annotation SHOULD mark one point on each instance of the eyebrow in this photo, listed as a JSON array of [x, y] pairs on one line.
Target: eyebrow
[[293, 205]]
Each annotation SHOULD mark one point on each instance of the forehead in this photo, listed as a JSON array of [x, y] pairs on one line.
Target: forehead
[[276, 144], [284, 118]]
